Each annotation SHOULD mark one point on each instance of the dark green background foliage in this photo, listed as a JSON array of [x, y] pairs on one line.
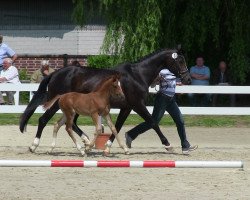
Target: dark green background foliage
[[213, 28], [101, 61]]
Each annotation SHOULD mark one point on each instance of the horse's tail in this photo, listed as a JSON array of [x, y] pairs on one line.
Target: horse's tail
[[39, 98], [47, 105]]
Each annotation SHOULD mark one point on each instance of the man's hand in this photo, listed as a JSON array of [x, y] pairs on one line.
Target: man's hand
[[2, 79]]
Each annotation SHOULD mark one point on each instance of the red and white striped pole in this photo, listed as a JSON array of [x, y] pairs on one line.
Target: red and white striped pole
[[121, 163]]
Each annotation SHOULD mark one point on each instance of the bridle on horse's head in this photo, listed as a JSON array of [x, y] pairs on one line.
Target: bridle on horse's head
[[181, 73]]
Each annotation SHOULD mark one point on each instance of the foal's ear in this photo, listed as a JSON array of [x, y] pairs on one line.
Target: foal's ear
[[114, 78], [118, 76]]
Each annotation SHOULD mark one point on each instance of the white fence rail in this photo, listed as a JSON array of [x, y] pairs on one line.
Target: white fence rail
[[29, 87]]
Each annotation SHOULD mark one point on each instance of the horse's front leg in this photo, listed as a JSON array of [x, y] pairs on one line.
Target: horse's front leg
[[143, 112], [43, 120], [97, 121], [113, 130], [118, 125]]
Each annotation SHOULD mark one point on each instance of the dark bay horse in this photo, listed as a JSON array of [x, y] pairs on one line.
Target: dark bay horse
[[95, 104], [135, 81]]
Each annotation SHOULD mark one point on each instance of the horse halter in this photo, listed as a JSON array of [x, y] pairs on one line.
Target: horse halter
[[183, 73]]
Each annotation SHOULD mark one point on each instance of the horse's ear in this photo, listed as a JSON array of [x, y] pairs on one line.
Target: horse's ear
[[180, 50], [178, 47]]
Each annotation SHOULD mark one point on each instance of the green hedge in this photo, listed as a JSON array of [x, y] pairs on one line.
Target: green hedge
[[102, 61]]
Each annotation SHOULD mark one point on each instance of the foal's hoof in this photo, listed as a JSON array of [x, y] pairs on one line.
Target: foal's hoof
[[49, 152], [87, 150], [127, 153], [83, 153], [106, 153]]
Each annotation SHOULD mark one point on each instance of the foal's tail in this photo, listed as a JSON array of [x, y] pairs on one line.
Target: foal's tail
[[39, 98], [47, 105]]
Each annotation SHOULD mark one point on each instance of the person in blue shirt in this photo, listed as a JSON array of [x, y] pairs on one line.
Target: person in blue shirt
[[6, 52], [200, 75], [164, 101]]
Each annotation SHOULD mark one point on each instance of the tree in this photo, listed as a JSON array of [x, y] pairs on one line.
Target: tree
[[217, 29]]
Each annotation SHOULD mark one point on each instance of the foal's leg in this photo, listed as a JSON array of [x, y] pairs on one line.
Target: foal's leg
[[43, 120], [113, 130], [69, 123], [97, 121], [57, 126]]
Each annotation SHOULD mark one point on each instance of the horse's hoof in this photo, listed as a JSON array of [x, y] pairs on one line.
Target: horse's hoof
[[169, 148], [32, 149], [127, 153]]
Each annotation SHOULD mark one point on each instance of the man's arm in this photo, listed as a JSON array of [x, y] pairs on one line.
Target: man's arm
[[205, 76], [2, 79], [14, 57], [201, 77]]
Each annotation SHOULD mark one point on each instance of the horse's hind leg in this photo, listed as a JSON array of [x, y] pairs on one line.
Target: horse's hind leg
[[57, 126], [113, 130], [43, 120], [69, 124]]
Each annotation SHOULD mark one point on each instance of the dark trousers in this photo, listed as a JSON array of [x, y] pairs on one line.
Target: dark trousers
[[163, 103]]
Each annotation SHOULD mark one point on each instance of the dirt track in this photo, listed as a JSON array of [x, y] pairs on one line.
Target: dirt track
[[127, 183]]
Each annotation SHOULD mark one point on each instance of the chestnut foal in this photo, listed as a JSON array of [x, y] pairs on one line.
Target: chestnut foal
[[94, 104]]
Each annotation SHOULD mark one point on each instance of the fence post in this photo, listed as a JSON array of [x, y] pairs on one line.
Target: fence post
[[65, 60]]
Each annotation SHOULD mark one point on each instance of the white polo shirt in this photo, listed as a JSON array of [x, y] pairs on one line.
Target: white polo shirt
[[11, 74], [167, 82]]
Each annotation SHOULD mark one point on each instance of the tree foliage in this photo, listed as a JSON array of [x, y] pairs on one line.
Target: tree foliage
[[214, 28]]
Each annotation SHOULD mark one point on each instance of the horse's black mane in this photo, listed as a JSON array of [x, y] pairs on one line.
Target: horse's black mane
[[152, 54], [109, 73]]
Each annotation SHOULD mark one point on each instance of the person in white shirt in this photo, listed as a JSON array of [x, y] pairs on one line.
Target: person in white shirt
[[9, 74], [164, 101], [6, 52]]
